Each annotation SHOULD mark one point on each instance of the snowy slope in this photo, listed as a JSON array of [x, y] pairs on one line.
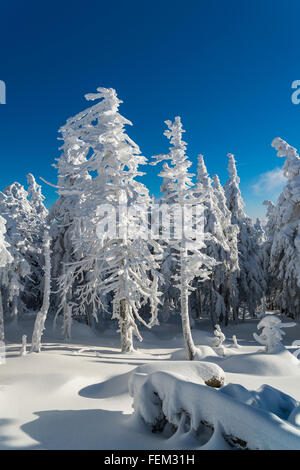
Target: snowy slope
[[75, 395]]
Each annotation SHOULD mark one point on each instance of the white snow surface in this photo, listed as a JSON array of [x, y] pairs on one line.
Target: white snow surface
[[75, 395], [188, 406]]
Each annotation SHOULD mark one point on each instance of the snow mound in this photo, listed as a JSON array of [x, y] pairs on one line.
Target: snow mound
[[266, 398], [294, 417], [200, 413], [282, 363], [201, 353], [193, 371]]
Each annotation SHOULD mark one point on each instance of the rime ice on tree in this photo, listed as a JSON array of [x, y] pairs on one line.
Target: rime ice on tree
[[283, 242], [191, 260], [117, 266], [272, 333]]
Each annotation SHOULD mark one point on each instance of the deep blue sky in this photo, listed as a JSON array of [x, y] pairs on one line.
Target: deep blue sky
[[225, 67]]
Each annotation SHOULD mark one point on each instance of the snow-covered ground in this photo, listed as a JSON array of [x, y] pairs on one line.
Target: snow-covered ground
[[75, 395]]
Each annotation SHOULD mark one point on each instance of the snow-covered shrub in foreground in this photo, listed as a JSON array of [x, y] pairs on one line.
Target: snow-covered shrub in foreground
[[167, 399]]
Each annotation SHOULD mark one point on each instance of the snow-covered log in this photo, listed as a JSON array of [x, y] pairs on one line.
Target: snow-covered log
[[252, 420]]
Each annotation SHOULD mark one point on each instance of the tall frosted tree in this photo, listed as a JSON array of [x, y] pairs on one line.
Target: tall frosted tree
[[252, 284], [121, 262], [284, 242], [62, 219], [231, 256], [16, 210], [219, 296], [191, 261], [270, 229], [25, 217]]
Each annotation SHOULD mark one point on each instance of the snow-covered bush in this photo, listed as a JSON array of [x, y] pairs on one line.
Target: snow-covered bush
[[272, 333], [218, 340], [235, 342]]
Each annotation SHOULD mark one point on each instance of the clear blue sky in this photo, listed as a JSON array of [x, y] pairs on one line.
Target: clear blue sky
[[225, 67]]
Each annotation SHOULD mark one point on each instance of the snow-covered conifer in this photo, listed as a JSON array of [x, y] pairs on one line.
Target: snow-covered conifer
[[230, 290], [284, 236], [219, 293], [191, 261], [119, 263], [16, 210], [36, 197], [5, 258], [252, 284]]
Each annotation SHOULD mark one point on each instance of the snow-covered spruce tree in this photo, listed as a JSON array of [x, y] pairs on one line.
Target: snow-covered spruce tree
[[284, 219], [218, 297], [36, 199], [169, 300], [5, 258], [230, 290], [62, 216], [25, 220], [16, 211], [263, 258], [270, 229], [191, 261], [35, 254], [119, 262], [39, 324], [252, 283]]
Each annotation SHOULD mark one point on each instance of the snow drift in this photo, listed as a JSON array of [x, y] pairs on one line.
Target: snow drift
[[167, 399]]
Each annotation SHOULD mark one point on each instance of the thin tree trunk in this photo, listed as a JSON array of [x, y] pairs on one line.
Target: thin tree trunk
[[39, 324], [186, 327], [212, 305], [198, 302], [126, 330], [1, 320]]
